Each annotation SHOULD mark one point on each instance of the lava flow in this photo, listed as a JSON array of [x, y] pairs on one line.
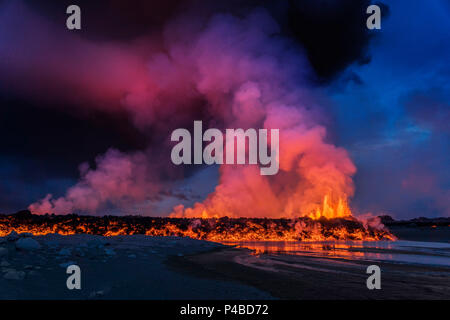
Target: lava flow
[[330, 223]]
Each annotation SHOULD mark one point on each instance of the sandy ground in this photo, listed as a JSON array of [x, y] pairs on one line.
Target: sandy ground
[[415, 268], [307, 277], [129, 267], [142, 267]]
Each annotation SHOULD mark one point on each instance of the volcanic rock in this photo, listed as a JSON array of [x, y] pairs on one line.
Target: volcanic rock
[[79, 252], [4, 263], [13, 236], [52, 244], [25, 234], [33, 273], [386, 219], [95, 243], [110, 252], [14, 275], [23, 214], [96, 294], [3, 251], [27, 244], [65, 252]]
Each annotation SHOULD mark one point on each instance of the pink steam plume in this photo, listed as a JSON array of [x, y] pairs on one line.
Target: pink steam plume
[[232, 73], [119, 179]]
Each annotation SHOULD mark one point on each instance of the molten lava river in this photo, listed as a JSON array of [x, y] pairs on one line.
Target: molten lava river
[[329, 223]]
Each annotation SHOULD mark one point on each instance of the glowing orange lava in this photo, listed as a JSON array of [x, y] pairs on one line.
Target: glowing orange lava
[[327, 223], [340, 210]]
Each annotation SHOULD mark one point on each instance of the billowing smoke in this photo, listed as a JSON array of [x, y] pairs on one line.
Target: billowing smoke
[[119, 180], [230, 73]]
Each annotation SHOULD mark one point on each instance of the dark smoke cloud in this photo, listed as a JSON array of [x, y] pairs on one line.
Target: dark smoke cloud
[[332, 32], [117, 49]]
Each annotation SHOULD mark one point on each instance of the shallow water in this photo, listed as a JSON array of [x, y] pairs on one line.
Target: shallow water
[[410, 252]]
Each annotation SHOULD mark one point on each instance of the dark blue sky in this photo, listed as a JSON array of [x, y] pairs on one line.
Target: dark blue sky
[[395, 119], [391, 112]]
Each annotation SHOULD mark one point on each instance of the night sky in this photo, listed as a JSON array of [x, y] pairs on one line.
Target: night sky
[[384, 96]]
